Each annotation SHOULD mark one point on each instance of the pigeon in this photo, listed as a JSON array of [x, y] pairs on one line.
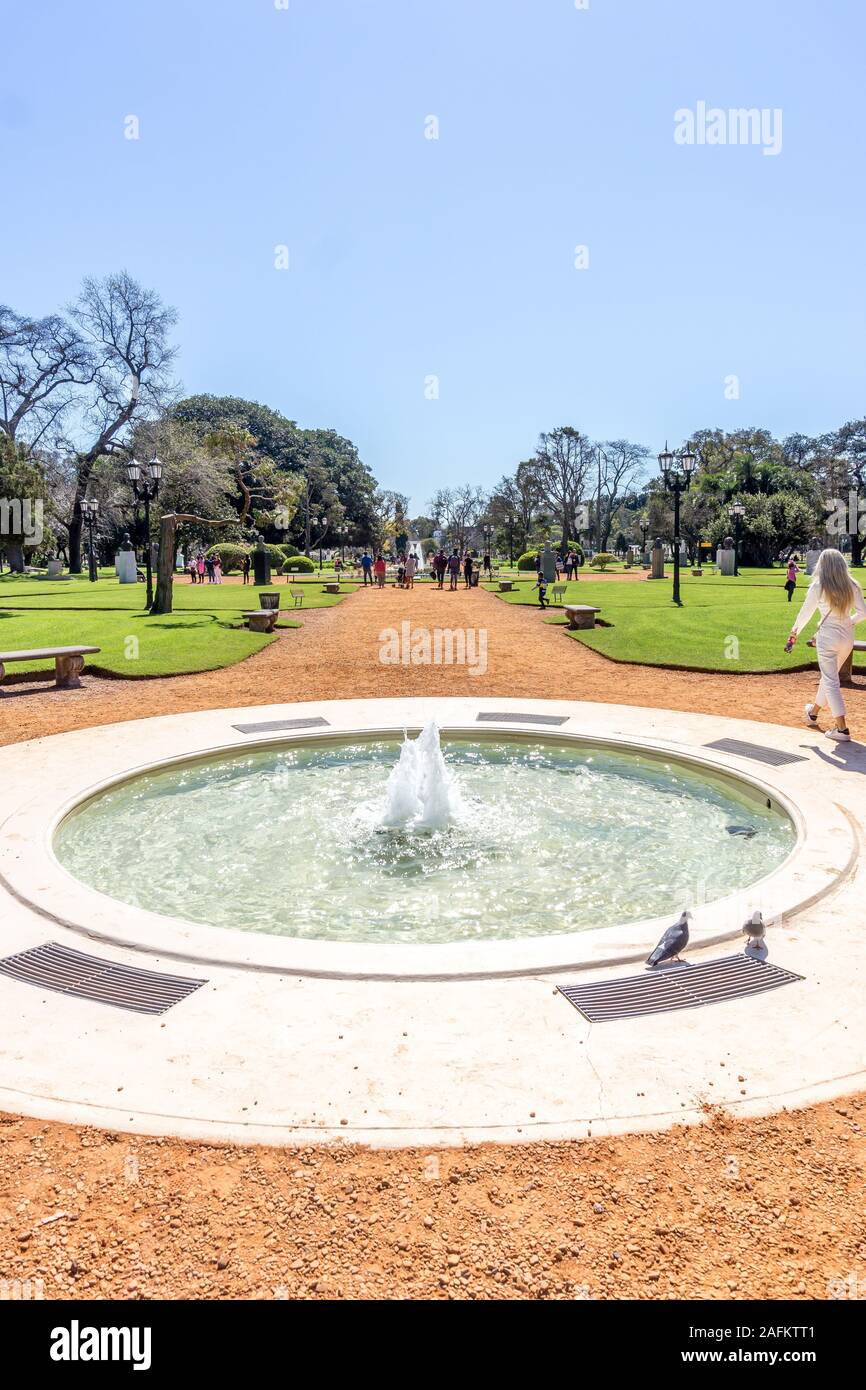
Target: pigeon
[[754, 929], [675, 939]]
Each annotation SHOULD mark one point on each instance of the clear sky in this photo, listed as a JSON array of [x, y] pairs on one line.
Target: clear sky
[[409, 257]]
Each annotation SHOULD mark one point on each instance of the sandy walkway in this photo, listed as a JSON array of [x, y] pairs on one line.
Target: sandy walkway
[[336, 655]]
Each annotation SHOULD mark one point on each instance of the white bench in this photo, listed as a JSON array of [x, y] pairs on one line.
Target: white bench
[[580, 615], [68, 662]]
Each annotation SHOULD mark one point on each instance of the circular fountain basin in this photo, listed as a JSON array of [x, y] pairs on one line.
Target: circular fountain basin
[[249, 838], [543, 838]]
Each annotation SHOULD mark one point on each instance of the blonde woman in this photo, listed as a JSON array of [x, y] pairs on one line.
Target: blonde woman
[[835, 596]]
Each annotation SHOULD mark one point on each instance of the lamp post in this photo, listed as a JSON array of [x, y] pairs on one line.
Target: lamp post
[[90, 510], [677, 473], [738, 511], [144, 479], [510, 540]]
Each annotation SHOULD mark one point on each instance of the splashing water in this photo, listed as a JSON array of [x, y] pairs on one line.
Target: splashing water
[[421, 793]]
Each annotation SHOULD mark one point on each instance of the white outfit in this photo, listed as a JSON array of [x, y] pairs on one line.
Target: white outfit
[[834, 641]]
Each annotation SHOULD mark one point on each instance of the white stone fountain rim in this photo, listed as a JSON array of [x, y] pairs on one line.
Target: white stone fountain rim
[[50, 778]]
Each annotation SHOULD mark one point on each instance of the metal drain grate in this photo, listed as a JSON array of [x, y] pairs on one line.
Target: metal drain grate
[[87, 977], [509, 718], [677, 987], [756, 751], [274, 725]]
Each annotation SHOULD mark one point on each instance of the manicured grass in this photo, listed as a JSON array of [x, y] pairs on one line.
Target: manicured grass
[[204, 633], [724, 624], [26, 591]]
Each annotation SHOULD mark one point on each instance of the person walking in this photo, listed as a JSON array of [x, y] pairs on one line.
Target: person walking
[[453, 569], [409, 571], [217, 570], [487, 564], [834, 594], [245, 568], [440, 565], [467, 570], [367, 568], [791, 581], [200, 567], [379, 570], [569, 566]]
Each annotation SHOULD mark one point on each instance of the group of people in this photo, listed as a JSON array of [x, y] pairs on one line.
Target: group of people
[[443, 565], [203, 567]]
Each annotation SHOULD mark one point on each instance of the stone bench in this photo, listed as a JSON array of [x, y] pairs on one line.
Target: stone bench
[[506, 586], [580, 615], [331, 588], [68, 662], [846, 670], [261, 619]]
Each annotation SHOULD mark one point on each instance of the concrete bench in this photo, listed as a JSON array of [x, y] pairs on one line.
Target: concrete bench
[[580, 615], [331, 588], [261, 619], [68, 662], [506, 586], [846, 670]]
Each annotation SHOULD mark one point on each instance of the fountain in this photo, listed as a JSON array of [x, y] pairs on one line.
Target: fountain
[[421, 793]]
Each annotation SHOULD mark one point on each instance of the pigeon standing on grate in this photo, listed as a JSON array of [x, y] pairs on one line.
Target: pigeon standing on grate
[[675, 939], [755, 930]]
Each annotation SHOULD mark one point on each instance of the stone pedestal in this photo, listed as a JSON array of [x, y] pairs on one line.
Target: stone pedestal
[[68, 671], [55, 569], [812, 557], [726, 560], [261, 566], [127, 569], [657, 560]]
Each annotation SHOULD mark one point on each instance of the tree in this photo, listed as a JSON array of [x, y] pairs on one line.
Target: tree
[[621, 466], [457, 510], [44, 363], [849, 447], [22, 501], [127, 330], [513, 505], [561, 468]]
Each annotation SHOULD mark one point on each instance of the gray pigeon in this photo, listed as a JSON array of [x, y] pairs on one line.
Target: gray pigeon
[[675, 939], [754, 929]]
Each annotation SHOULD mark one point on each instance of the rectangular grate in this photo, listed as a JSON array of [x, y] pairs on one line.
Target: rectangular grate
[[756, 751], [274, 725], [509, 718], [677, 987], [87, 977]]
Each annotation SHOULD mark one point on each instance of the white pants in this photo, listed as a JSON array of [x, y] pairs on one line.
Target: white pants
[[834, 643]]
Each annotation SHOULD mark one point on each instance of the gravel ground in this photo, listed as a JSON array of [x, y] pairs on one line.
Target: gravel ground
[[750, 1209], [756, 1209]]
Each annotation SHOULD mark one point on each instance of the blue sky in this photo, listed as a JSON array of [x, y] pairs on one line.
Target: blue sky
[[454, 257]]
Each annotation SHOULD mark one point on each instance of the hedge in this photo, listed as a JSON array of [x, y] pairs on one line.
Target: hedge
[[529, 559], [602, 560], [298, 564], [231, 556]]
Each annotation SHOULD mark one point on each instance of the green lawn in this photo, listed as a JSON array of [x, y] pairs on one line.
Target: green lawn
[[724, 624], [204, 633]]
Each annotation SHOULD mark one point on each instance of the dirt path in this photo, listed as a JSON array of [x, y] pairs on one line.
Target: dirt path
[[336, 655]]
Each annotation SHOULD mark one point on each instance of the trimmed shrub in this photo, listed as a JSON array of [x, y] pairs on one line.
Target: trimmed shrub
[[298, 564], [528, 560], [231, 555], [602, 560]]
